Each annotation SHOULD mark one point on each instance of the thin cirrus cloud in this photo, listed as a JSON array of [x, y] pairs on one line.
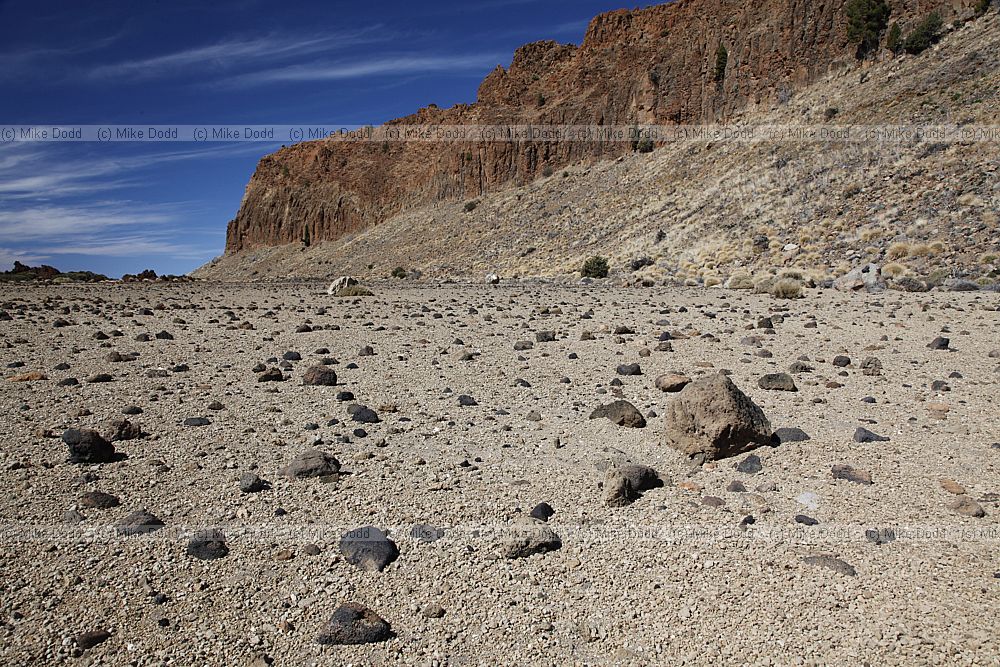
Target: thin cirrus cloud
[[383, 66], [233, 54]]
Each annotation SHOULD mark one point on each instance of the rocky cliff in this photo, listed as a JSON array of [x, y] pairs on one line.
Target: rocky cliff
[[634, 67]]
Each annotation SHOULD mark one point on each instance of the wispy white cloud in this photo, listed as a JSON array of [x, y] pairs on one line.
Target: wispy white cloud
[[380, 66], [49, 210], [234, 54]]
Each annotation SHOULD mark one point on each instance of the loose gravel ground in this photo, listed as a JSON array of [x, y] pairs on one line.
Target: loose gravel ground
[[693, 572]]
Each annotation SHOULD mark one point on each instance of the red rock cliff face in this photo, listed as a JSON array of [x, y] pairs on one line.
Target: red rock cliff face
[[650, 66]]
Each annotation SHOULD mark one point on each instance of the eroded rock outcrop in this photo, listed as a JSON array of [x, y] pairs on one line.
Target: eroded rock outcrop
[[634, 67]]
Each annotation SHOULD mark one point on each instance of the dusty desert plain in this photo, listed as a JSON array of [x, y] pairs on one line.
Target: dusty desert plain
[[266, 474]]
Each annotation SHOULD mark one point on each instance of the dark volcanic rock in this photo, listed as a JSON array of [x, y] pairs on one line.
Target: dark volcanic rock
[[140, 522], [629, 369], [368, 548], [791, 434], [621, 413], [363, 414], [319, 376], [354, 623], [88, 640], [777, 382], [208, 545], [542, 512], [864, 435], [311, 463], [99, 500], [624, 485], [86, 446]]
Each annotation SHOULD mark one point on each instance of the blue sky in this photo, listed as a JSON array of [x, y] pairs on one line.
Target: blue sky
[[123, 207]]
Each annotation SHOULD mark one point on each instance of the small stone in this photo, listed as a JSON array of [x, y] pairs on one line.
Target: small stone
[[629, 369], [805, 520], [966, 506], [208, 545], [89, 640], [542, 512], [320, 376], [353, 623], [252, 483], [87, 446], [829, 562], [528, 537], [751, 465], [368, 548], [621, 413], [139, 522], [851, 474], [736, 486], [777, 382], [433, 610], [951, 486], [311, 463]]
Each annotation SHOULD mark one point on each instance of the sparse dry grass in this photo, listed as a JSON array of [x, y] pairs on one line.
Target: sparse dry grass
[[786, 288], [354, 291], [898, 250], [894, 270]]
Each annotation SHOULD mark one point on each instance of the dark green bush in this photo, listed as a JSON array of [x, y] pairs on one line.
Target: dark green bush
[[721, 62], [925, 35], [895, 40], [595, 267], [399, 272], [866, 21], [471, 206], [645, 145]]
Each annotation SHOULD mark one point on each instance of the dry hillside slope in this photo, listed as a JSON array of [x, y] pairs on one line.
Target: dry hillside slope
[[702, 210]]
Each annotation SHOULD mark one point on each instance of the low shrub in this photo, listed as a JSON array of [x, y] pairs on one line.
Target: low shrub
[[595, 267], [786, 288], [925, 35], [399, 272]]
